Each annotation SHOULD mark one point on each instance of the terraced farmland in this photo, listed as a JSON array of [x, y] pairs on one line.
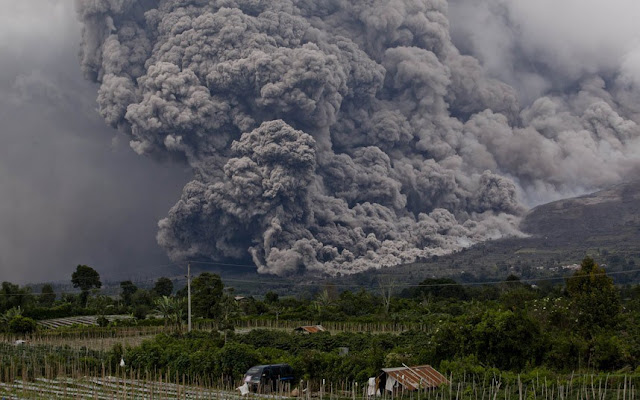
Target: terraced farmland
[[88, 320], [91, 337]]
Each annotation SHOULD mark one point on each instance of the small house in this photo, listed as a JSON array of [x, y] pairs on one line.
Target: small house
[[407, 378], [310, 329]]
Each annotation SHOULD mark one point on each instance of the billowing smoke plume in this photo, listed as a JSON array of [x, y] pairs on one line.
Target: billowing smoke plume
[[339, 135]]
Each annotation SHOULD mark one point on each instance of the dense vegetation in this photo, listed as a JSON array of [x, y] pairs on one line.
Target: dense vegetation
[[582, 324]]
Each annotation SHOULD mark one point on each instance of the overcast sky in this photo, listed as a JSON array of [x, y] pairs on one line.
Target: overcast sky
[[542, 45], [70, 191]]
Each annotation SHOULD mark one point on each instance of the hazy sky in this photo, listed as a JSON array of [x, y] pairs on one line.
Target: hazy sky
[[544, 44], [69, 192]]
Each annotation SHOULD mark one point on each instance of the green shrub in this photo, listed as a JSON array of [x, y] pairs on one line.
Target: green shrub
[[140, 312], [22, 325], [62, 311], [608, 353], [236, 359]]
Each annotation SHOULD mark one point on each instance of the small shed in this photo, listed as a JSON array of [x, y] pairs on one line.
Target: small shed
[[310, 329], [411, 378]]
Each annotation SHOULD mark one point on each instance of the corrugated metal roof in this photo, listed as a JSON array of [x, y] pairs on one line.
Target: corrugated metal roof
[[311, 328], [412, 378]]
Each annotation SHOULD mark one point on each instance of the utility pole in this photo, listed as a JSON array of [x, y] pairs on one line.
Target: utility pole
[[189, 297]]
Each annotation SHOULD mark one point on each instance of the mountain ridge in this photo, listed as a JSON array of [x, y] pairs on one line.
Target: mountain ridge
[[601, 212], [604, 224]]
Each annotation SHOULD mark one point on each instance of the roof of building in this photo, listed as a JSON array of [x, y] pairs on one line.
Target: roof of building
[[311, 328], [419, 377]]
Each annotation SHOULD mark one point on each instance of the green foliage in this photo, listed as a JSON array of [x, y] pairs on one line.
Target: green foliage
[[271, 297], [47, 296], [22, 325], [451, 339], [127, 289], [313, 356], [101, 305], [163, 287], [357, 304], [236, 358], [59, 311], [140, 311], [251, 306], [70, 298], [85, 278], [8, 316], [171, 309], [12, 296], [507, 340], [228, 311], [142, 297], [517, 297], [441, 288], [197, 353], [102, 322], [490, 329], [595, 299], [39, 360], [608, 353], [207, 291], [485, 339], [565, 352]]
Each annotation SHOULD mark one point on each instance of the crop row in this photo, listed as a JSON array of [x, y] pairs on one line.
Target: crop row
[[108, 388], [90, 320]]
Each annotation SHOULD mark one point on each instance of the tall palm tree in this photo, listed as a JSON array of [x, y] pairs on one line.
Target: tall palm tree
[[165, 306], [171, 309], [177, 311], [323, 300], [9, 315]]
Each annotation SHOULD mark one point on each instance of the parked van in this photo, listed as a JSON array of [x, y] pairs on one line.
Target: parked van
[[265, 378]]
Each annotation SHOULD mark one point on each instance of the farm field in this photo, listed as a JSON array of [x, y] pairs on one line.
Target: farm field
[[97, 338], [499, 340], [37, 371], [87, 320], [109, 388], [97, 343], [94, 338]]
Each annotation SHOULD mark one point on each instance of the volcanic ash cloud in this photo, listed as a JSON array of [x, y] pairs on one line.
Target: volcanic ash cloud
[[336, 136]]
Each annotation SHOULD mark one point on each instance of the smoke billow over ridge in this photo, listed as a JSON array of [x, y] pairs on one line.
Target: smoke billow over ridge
[[339, 135]]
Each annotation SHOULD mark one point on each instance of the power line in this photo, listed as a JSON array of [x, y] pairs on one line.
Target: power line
[[529, 280], [395, 285], [224, 264]]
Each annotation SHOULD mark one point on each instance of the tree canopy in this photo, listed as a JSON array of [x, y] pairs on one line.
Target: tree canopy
[[85, 278], [163, 287], [127, 290], [47, 296], [594, 296], [439, 288], [207, 290]]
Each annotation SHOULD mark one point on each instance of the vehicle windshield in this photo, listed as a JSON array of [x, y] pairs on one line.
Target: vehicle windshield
[[254, 371]]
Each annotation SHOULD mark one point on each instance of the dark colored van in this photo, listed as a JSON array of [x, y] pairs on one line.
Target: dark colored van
[[265, 378]]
